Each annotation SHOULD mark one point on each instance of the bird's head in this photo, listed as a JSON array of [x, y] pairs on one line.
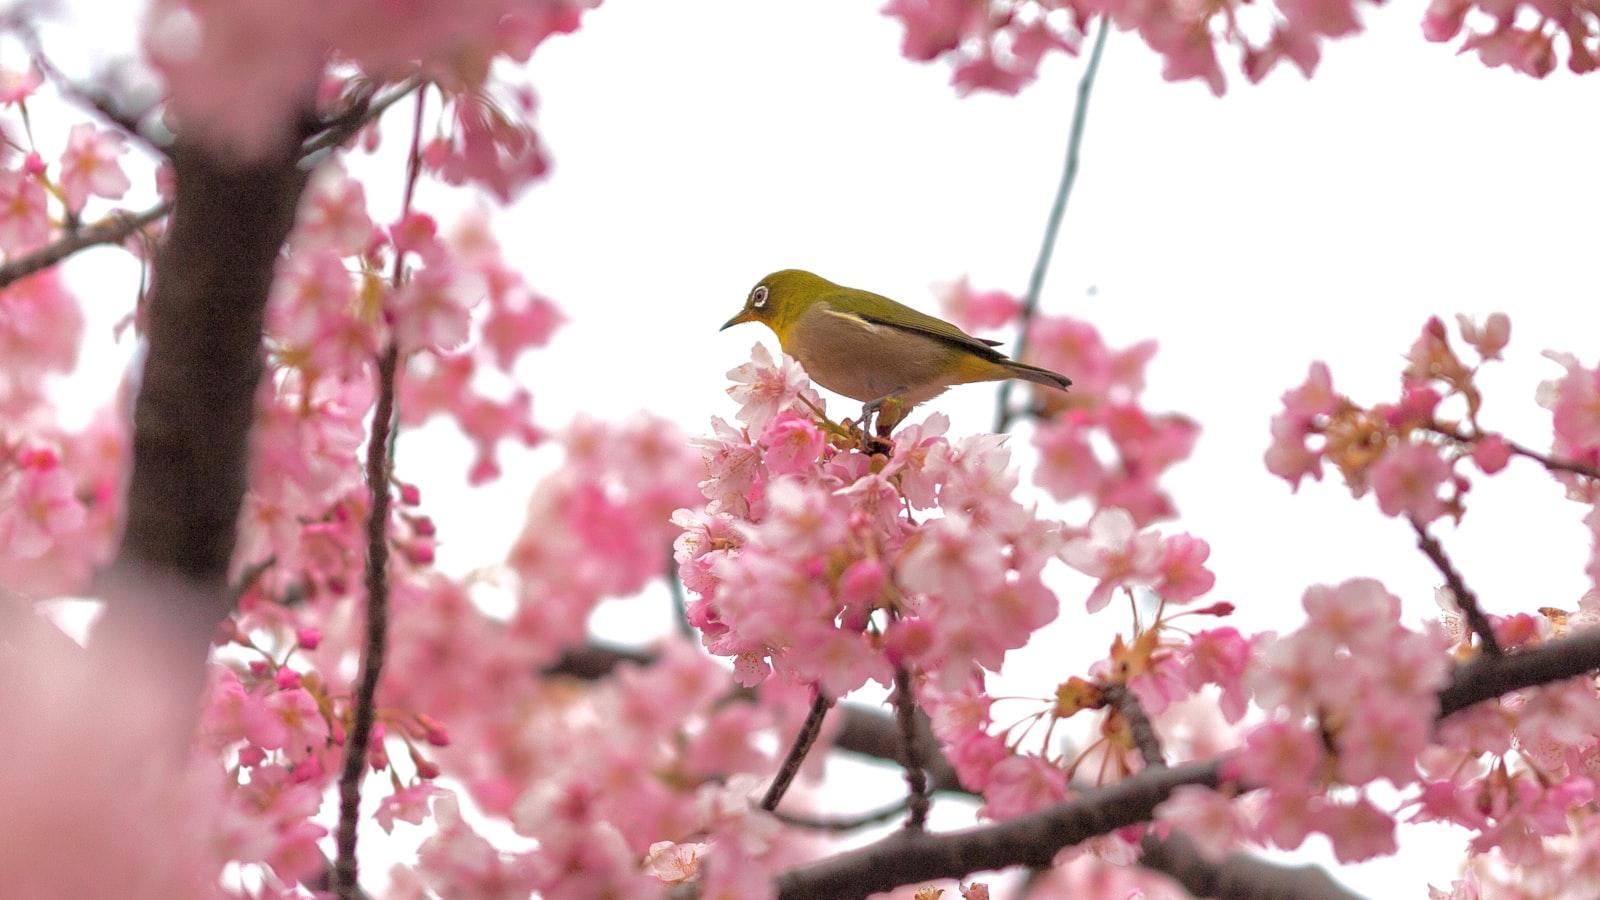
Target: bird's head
[[779, 299]]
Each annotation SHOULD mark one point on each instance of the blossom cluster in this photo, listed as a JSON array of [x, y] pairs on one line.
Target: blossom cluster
[[1520, 35], [999, 46], [1103, 407], [832, 566], [239, 73]]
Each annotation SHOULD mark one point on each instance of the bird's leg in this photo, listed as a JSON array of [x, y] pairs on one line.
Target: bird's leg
[[883, 414]]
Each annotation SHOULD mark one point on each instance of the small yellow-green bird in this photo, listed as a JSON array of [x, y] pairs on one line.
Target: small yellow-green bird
[[870, 348]]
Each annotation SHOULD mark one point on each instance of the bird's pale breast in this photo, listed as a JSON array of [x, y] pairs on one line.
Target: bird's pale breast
[[867, 361]]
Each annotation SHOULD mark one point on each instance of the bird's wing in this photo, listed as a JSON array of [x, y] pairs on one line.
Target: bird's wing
[[908, 319]]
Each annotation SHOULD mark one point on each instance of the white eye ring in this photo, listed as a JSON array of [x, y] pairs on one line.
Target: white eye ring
[[758, 297]]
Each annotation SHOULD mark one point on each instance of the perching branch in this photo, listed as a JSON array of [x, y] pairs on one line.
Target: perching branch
[[113, 229], [1069, 175], [1465, 598], [905, 709], [809, 729]]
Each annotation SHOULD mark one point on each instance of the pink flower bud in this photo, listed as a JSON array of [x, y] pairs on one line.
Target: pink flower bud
[[1491, 453], [286, 679], [308, 638], [251, 756], [410, 494], [33, 164]]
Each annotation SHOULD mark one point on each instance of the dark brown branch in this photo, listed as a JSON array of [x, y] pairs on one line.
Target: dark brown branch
[[1465, 598], [380, 465], [1139, 725], [1034, 840], [840, 824], [807, 736], [867, 732], [1031, 840], [591, 662], [113, 229], [1239, 876], [905, 709], [197, 392], [1485, 677], [373, 651]]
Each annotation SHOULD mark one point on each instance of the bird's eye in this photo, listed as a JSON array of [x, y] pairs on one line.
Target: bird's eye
[[758, 297]]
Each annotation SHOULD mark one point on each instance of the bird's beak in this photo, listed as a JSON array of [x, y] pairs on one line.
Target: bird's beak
[[743, 316]]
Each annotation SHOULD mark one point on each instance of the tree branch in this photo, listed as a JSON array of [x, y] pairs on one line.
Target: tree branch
[[1551, 463], [379, 469], [1485, 677], [1465, 598], [843, 823], [809, 729], [1034, 839], [1031, 840], [1069, 175], [905, 708], [1238, 877], [113, 229]]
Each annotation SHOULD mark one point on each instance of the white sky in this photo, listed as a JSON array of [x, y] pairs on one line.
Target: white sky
[[699, 146]]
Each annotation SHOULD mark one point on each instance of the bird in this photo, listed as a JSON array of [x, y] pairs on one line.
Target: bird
[[870, 348]]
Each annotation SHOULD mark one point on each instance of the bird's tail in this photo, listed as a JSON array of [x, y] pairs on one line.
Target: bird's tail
[[1038, 375]]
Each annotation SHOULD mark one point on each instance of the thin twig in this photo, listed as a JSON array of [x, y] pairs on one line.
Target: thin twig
[[1465, 598], [809, 729], [680, 604], [379, 465], [113, 229], [1144, 735], [840, 824], [1041, 265], [905, 709], [1552, 463], [248, 578], [343, 127]]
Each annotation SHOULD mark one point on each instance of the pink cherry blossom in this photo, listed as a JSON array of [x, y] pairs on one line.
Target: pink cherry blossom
[[1357, 830], [1213, 821], [1489, 338], [432, 310], [16, 86], [674, 863], [1184, 576], [1116, 553], [89, 166], [976, 310], [24, 213], [1407, 479], [763, 388]]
